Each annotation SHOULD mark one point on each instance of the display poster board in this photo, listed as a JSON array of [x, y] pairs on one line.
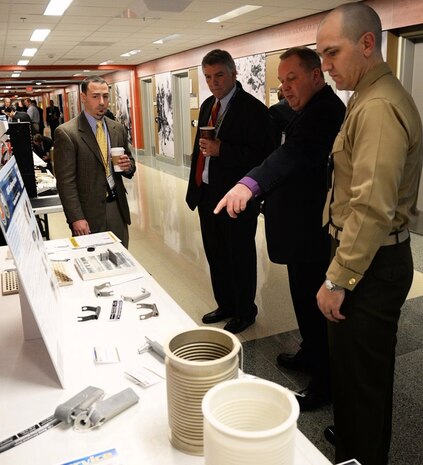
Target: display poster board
[[40, 294]]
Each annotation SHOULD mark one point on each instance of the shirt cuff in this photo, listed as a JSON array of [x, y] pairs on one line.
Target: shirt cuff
[[252, 185]]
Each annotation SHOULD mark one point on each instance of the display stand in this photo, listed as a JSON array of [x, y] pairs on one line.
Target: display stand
[[38, 287]]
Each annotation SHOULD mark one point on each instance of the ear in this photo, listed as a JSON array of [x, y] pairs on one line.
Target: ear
[[316, 74], [368, 43]]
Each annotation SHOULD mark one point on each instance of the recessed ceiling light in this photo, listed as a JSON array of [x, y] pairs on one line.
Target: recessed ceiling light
[[108, 62], [23, 62], [15, 74], [234, 13], [166, 39], [57, 7], [29, 52], [39, 35], [131, 53]]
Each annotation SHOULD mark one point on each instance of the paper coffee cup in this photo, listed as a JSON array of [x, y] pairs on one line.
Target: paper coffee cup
[[116, 152], [207, 132]]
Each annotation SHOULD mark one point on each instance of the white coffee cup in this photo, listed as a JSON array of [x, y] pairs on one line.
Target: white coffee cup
[[116, 152]]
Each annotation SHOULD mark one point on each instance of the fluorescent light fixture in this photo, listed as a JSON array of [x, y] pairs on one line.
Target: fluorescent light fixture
[[242, 10], [15, 74], [86, 71], [6, 91], [8, 87], [23, 62], [166, 39], [57, 7], [77, 74], [39, 35], [29, 52], [131, 53], [107, 62]]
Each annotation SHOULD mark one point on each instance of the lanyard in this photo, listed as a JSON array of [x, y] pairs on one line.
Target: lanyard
[[222, 115]]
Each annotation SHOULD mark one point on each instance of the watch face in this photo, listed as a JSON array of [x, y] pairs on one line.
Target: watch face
[[329, 285]]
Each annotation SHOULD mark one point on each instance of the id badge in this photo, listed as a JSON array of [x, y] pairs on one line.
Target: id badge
[[111, 182]]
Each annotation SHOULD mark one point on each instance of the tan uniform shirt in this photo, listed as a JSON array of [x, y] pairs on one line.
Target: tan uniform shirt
[[377, 163]]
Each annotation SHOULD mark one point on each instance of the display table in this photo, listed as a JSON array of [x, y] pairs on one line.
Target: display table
[[30, 391]]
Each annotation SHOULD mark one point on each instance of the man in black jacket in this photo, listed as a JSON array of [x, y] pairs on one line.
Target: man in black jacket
[[17, 116], [243, 139], [293, 181], [52, 117]]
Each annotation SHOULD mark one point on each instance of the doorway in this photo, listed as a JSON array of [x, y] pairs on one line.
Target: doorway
[[148, 116], [182, 123]]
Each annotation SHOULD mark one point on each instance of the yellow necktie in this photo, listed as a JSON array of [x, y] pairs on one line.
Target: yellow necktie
[[100, 135]]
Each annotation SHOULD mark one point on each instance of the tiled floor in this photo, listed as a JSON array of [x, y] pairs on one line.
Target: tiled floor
[[165, 237]]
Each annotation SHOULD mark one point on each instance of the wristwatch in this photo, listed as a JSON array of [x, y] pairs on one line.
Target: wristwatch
[[330, 286]]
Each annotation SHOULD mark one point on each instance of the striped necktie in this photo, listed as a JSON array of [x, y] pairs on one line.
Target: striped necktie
[[100, 135]]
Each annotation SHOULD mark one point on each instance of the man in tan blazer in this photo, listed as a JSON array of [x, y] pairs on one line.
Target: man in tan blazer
[[92, 193]]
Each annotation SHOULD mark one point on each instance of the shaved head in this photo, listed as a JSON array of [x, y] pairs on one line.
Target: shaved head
[[357, 19]]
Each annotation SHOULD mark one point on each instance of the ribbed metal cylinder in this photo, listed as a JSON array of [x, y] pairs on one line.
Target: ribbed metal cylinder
[[196, 360]]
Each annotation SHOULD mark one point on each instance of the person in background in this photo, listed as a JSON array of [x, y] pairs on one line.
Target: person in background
[[52, 118], [17, 116], [6, 106], [42, 145], [33, 114], [92, 193], [293, 183], [20, 105], [243, 139], [377, 159], [41, 113], [280, 115]]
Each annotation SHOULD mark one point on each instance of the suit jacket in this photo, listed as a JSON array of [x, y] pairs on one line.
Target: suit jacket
[[294, 180], [53, 115], [21, 116], [246, 139], [80, 172]]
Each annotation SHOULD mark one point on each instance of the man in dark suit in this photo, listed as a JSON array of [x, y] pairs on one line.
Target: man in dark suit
[[243, 139], [92, 193], [41, 145], [293, 180], [41, 113], [52, 117], [17, 116]]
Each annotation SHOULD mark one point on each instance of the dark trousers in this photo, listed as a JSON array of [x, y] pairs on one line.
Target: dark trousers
[[362, 351], [305, 280], [230, 249]]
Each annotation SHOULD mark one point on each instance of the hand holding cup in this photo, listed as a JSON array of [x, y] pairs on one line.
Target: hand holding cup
[[116, 153]]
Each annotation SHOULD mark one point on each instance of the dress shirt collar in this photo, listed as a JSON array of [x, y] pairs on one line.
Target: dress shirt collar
[[225, 100], [93, 122]]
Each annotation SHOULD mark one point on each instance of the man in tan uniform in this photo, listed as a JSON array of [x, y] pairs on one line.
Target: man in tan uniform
[[377, 163]]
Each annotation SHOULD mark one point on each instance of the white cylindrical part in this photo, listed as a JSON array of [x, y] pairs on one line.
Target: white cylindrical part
[[196, 360], [249, 422]]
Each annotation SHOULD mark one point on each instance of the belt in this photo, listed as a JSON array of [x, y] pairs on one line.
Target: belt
[[395, 237], [111, 196]]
